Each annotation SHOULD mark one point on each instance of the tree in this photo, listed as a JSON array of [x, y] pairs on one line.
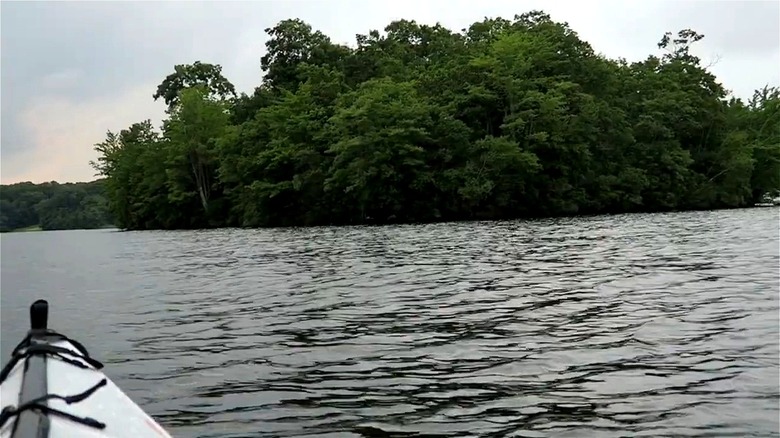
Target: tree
[[197, 74], [292, 43], [192, 132], [506, 118], [53, 206]]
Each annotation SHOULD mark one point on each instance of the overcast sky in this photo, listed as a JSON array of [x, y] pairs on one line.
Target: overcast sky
[[72, 70]]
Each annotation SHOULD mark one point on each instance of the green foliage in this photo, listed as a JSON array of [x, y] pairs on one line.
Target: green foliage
[[195, 126], [53, 206], [197, 74], [510, 118]]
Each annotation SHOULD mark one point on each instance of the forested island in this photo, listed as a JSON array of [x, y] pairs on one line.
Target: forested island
[[505, 119], [53, 206]]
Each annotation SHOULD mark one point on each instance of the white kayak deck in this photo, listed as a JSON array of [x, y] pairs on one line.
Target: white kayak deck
[[108, 404]]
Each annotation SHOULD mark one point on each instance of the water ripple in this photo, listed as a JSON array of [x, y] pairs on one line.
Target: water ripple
[[631, 325]]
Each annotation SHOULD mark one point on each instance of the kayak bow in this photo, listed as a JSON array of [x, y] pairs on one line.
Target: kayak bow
[[51, 387]]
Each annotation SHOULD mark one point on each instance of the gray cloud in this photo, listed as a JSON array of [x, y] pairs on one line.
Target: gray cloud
[[72, 70]]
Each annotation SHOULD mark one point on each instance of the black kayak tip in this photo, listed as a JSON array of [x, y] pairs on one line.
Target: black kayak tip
[[39, 315]]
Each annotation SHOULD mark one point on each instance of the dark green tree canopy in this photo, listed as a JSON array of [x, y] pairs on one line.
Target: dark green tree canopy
[[53, 206], [191, 75], [415, 122]]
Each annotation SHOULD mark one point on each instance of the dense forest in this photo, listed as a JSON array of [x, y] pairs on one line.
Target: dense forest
[[508, 118], [53, 206]]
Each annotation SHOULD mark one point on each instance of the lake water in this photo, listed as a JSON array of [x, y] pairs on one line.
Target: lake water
[[630, 325]]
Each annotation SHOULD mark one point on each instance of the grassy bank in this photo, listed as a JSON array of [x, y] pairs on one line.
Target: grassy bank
[[26, 229], [38, 228]]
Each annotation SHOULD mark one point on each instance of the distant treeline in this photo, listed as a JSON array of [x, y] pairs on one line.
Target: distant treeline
[[54, 206], [508, 118]]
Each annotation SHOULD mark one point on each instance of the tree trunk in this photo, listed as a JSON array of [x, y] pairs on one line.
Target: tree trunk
[[200, 181]]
